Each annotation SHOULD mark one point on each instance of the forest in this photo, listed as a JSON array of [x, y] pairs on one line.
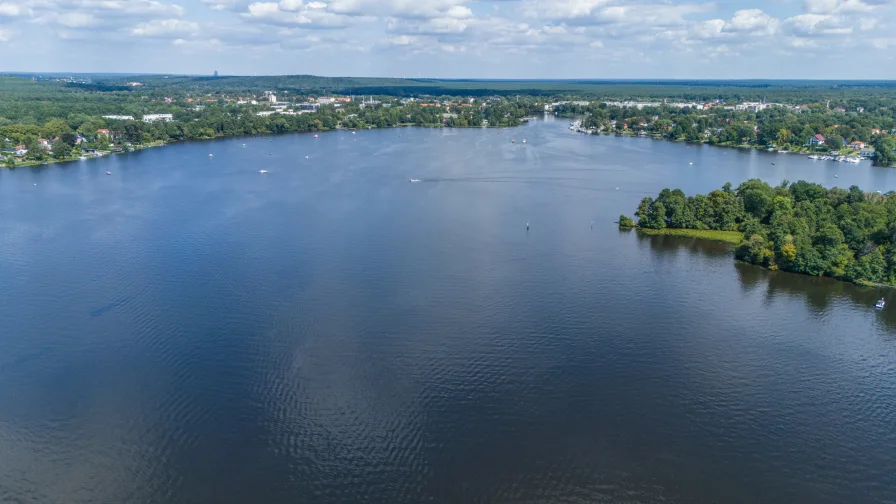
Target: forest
[[799, 227]]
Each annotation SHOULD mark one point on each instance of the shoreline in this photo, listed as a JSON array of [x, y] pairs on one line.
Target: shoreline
[[52, 161], [730, 237]]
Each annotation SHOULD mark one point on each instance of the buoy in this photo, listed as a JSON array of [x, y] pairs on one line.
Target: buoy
[[527, 226], [315, 136]]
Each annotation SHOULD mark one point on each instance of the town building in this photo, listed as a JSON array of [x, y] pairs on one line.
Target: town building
[[158, 117]]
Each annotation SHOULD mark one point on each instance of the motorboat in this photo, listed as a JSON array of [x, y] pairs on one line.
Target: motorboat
[[524, 140], [108, 173], [211, 155], [813, 156], [315, 136], [263, 172], [880, 304]]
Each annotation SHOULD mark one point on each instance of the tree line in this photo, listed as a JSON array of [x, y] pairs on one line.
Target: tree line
[[800, 227]]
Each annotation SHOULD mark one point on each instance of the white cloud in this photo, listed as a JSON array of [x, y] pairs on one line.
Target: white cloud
[[401, 8], [752, 21], [165, 28], [295, 13], [561, 9], [122, 8], [815, 25], [5, 35], [11, 9]]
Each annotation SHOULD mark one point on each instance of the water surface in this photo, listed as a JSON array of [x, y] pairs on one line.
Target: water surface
[[189, 330]]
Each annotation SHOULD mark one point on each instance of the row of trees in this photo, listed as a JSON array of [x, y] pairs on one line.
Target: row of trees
[[223, 120], [800, 227], [781, 127]]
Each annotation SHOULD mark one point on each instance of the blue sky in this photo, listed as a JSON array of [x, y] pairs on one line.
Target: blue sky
[[836, 39]]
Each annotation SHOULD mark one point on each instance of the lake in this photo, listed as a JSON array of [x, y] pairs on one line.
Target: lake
[[187, 330]]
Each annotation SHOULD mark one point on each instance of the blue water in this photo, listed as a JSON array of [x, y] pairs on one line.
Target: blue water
[[189, 330]]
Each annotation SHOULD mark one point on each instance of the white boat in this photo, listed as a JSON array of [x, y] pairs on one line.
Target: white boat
[[414, 180], [211, 155], [854, 160], [880, 304], [108, 173], [524, 140], [813, 156], [263, 172]]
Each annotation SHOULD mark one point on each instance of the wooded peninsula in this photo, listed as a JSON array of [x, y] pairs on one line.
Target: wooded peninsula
[[800, 227], [56, 117]]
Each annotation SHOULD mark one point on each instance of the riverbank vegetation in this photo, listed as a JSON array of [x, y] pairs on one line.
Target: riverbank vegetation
[[801, 227], [732, 237], [52, 117], [867, 127]]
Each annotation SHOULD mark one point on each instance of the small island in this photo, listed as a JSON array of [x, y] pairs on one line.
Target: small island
[[801, 227]]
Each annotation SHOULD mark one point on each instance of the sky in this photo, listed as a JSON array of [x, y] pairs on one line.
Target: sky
[[544, 39]]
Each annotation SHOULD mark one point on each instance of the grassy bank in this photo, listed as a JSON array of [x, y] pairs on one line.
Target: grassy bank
[[732, 237]]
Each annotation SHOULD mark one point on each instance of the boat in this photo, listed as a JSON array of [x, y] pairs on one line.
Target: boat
[[315, 136], [108, 173], [82, 158], [513, 141], [880, 304], [244, 146], [813, 156], [690, 164], [524, 140], [414, 180], [211, 155], [836, 176], [263, 172]]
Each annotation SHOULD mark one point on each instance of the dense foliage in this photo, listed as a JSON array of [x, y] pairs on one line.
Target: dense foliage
[[800, 227]]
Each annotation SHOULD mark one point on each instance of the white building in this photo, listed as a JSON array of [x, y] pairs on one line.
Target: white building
[[119, 117], [158, 117]]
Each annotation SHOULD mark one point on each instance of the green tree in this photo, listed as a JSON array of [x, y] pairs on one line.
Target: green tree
[[61, 150]]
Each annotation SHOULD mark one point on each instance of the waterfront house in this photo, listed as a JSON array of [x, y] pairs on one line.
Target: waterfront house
[[817, 140], [857, 145], [103, 132], [875, 131]]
